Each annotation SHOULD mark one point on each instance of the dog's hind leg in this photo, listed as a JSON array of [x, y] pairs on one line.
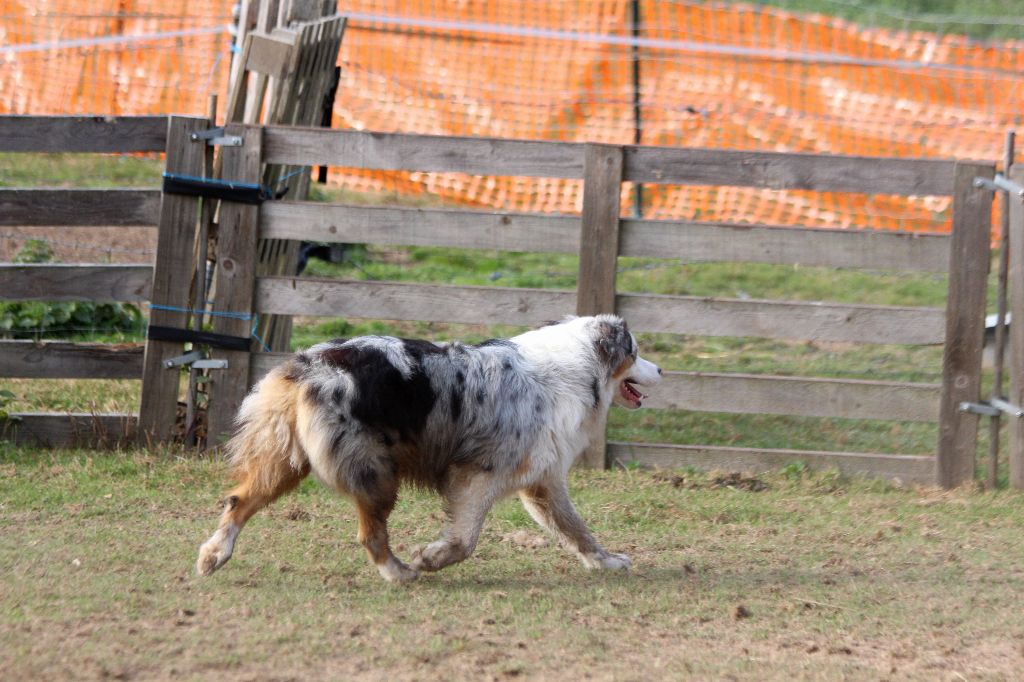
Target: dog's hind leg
[[262, 483], [373, 515], [549, 505], [468, 498]]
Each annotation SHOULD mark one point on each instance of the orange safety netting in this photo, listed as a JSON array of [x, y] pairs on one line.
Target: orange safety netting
[[711, 75]]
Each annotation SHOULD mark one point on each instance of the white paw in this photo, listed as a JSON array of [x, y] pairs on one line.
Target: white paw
[[216, 551], [437, 555], [607, 561], [394, 571]]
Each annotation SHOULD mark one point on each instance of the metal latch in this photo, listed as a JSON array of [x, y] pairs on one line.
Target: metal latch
[[196, 360], [216, 136], [992, 408]]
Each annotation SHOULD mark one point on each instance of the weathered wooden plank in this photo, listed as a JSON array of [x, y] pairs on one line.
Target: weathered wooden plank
[[1015, 290], [489, 156], [79, 207], [59, 360], [69, 430], [83, 133], [707, 242], [773, 170], [782, 319], [413, 301], [599, 253], [906, 468], [234, 283], [599, 238], [272, 55], [171, 277], [689, 241], [965, 325], [396, 151], [385, 225], [70, 282], [806, 396]]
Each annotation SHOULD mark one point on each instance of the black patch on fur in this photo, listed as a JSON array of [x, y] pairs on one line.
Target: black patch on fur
[[456, 405], [386, 440], [460, 377], [489, 343], [297, 367], [366, 478], [480, 396], [507, 365], [595, 391], [538, 407], [417, 348], [232, 502], [614, 343], [339, 436], [319, 394], [338, 395], [385, 399]]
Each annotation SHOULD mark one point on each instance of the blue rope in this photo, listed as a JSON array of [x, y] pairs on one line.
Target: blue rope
[[295, 172], [255, 323], [194, 311]]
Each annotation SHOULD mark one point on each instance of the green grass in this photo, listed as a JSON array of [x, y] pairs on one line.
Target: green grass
[[79, 170], [840, 578]]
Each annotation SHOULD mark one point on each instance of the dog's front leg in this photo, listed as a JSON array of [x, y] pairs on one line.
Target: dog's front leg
[[468, 498], [549, 505]]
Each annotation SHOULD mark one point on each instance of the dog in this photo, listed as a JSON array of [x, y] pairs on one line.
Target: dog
[[472, 422]]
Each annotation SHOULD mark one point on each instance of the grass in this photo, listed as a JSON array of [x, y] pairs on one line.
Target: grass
[[817, 577]]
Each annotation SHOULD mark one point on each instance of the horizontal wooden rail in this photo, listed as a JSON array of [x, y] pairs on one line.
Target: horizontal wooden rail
[[795, 320], [713, 242], [399, 151], [689, 241], [804, 396], [79, 207], [413, 301], [60, 360], [493, 156], [775, 170], [69, 430], [907, 468], [645, 312], [99, 283], [83, 133], [419, 227]]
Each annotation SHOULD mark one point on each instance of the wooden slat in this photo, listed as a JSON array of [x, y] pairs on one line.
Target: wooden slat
[[782, 320], [599, 252], [965, 325], [261, 363], [599, 237], [772, 170], [385, 225], [235, 277], [490, 156], [401, 301], [70, 430], [806, 396], [689, 241], [79, 207], [396, 151], [99, 283], [907, 468], [172, 278], [704, 242], [59, 360], [83, 133], [1015, 361]]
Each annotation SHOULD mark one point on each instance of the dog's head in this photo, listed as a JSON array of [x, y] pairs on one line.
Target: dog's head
[[618, 349]]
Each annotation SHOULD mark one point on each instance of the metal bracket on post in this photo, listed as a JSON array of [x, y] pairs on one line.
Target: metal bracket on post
[[1000, 183], [196, 360], [993, 408], [216, 136]]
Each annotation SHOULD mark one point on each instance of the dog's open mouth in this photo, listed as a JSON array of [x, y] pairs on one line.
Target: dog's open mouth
[[633, 397]]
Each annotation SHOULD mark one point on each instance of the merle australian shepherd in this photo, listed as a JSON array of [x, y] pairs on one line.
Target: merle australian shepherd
[[474, 423]]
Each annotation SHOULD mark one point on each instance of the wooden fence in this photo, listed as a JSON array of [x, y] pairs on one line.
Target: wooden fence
[[600, 236], [84, 282]]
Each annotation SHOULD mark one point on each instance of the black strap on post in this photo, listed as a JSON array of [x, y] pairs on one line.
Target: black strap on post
[[223, 341], [226, 190]]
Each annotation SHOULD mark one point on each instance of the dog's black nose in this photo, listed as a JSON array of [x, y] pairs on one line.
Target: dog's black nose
[[659, 370]]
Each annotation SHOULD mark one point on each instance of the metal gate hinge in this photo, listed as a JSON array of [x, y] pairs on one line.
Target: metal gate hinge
[[216, 136]]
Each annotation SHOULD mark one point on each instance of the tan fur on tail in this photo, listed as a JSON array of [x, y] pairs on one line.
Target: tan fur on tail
[[265, 452]]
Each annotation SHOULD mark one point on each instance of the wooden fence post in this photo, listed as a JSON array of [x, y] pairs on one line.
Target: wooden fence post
[[599, 251], [172, 276], [235, 281], [965, 324], [1015, 289]]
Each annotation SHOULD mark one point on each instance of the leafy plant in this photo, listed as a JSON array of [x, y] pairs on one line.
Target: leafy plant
[[26, 319], [6, 398]]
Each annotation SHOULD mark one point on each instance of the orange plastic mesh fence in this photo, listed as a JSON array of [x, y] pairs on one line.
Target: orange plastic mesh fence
[[729, 76]]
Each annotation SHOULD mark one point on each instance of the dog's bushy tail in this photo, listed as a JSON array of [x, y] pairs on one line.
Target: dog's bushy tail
[[265, 451]]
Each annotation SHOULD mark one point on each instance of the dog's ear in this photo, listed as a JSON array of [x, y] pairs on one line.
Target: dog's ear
[[614, 342]]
